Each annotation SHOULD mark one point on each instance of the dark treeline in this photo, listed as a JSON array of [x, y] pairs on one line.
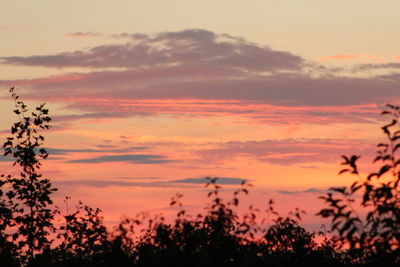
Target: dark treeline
[[34, 232]]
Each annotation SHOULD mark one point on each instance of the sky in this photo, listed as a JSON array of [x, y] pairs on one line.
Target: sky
[[149, 97]]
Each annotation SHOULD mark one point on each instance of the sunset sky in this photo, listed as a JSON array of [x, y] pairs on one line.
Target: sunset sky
[[149, 97]]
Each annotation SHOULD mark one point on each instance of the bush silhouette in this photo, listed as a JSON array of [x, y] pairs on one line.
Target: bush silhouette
[[374, 237]]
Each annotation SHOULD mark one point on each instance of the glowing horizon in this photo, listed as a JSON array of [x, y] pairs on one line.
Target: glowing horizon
[[140, 114]]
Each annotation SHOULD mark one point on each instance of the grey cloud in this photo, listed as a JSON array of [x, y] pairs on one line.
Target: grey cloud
[[63, 151], [189, 47], [125, 35], [104, 183], [131, 158], [187, 83], [128, 158], [376, 66], [220, 180], [6, 158], [92, 115], [56, 151], [392, 77], [188, 35], [306, 191], [188, 182]]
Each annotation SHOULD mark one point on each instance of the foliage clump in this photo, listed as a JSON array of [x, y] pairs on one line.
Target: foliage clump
[[374, 235]]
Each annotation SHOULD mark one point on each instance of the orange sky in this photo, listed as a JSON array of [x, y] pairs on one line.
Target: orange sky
[[142, 113]]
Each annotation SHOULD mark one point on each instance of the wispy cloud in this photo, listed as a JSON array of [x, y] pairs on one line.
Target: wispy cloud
[[285, 152], [283, 89], [64, 151], [186, 182], [253, 109], [306, 191], [219, 180], [377, 66], [88, 151], [128, 158], [6, 159], [82, 34], [345, 56]]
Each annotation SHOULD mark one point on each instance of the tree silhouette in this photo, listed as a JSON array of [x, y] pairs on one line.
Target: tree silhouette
[[83, 235], [374, 237], [26, 203]]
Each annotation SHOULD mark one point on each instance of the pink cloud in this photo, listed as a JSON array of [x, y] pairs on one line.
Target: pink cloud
[[345, 56], [285, 152], [218, 83], [82, 34], [253, 110]]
